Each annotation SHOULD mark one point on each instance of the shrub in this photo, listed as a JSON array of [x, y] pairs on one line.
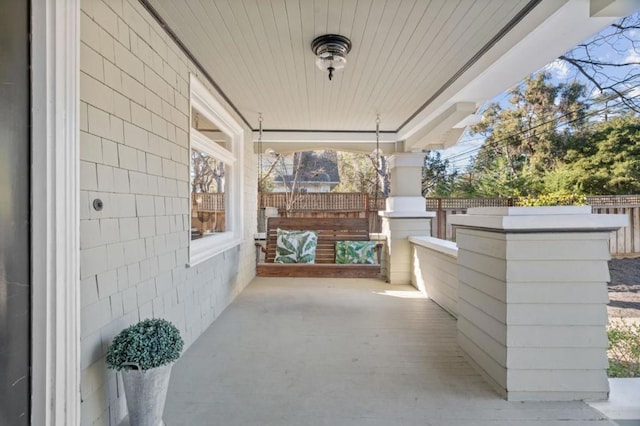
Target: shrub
[[148, 344], [624, 350], [559, 198]]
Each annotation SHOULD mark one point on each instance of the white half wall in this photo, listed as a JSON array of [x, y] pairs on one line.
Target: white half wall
[[435, 271], [532, 309]]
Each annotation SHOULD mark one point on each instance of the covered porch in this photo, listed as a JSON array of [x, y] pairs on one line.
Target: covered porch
[[342, 352], [112, 202]]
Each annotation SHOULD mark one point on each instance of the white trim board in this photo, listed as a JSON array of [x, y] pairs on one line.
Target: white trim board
[[55, 213], [206, 104]]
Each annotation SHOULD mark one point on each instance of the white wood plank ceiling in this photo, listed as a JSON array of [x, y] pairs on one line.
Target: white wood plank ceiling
[[258, 52]]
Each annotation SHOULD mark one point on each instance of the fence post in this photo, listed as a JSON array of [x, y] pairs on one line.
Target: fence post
[[366, 205], [440, 220]]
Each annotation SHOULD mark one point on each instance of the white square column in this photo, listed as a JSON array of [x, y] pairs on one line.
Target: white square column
[[405, 215], [532, 302]]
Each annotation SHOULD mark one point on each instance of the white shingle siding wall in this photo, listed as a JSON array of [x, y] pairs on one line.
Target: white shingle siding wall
[[134, 156]]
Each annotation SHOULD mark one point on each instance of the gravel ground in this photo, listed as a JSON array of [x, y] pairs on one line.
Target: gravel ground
[[624, 288]]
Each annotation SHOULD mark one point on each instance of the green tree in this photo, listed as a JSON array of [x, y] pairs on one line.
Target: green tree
[[356, 173], [529, 137], [438, 180], [360, 173], [465, 184], [607, 159], [207, 173]]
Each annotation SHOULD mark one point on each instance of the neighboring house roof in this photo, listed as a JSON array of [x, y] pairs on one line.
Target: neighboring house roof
[[289, 178], [318, 167]]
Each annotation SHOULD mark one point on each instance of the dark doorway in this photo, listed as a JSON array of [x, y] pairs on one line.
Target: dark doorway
[[15, 248]]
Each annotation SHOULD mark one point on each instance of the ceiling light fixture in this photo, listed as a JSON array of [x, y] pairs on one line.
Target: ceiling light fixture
[[331, 50]]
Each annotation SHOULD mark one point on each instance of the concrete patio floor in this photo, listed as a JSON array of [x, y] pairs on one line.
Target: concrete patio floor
[[341, 352]]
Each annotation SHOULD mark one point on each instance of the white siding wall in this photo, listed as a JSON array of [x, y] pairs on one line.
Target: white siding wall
[[532, 312], [134, 157], [435, 271]]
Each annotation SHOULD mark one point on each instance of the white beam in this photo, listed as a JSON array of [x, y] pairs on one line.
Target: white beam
[[432, 132], [452, 136], [285, 142], [613, 8], [387, 148], [319, 136]]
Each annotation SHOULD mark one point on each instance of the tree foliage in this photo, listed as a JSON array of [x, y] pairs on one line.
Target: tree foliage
[[545, 141], [624, 349], [528, 137], [207, 173], [606, 160], [438, 179], [292, 170], [363, 173], [559, 198]]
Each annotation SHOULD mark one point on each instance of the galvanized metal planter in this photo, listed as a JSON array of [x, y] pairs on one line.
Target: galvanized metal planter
[[146, 393]]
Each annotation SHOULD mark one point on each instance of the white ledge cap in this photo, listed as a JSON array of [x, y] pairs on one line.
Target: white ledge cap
[[540, 219], [407, 214], [442, 246], [528, 211]]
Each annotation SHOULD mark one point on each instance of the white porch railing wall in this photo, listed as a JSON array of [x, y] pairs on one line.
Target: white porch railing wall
[[434, 266], [528, 289]]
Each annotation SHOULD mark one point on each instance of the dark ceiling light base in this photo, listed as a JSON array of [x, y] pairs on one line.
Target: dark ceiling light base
[[331, 50]]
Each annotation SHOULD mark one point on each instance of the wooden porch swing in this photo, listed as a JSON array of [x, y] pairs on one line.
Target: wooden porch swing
[[329, 231]]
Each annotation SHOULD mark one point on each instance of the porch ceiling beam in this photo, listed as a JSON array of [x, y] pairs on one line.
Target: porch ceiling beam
[[387, 148], [613, 8], [434, 131], [452, 136], [285, 142]]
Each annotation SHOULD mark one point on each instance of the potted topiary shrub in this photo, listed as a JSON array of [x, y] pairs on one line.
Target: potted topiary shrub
[[144, 353]]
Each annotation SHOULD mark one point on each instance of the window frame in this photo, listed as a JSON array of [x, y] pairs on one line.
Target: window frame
[[201, 99]]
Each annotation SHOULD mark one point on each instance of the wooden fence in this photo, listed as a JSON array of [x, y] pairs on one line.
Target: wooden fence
[[324, 204], [207, 213], [207, 202], [626, 240]]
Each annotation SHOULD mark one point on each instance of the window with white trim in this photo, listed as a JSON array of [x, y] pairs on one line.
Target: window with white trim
[[215, 140]]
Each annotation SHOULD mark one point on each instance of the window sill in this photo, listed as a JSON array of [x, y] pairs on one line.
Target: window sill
[[203, 249]]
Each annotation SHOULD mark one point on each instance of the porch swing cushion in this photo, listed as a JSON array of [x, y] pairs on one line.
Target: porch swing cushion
[[358, 252], [296, 246]]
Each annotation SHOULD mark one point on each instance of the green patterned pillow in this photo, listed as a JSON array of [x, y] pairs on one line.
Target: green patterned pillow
[[355, 252], [296, 246]]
